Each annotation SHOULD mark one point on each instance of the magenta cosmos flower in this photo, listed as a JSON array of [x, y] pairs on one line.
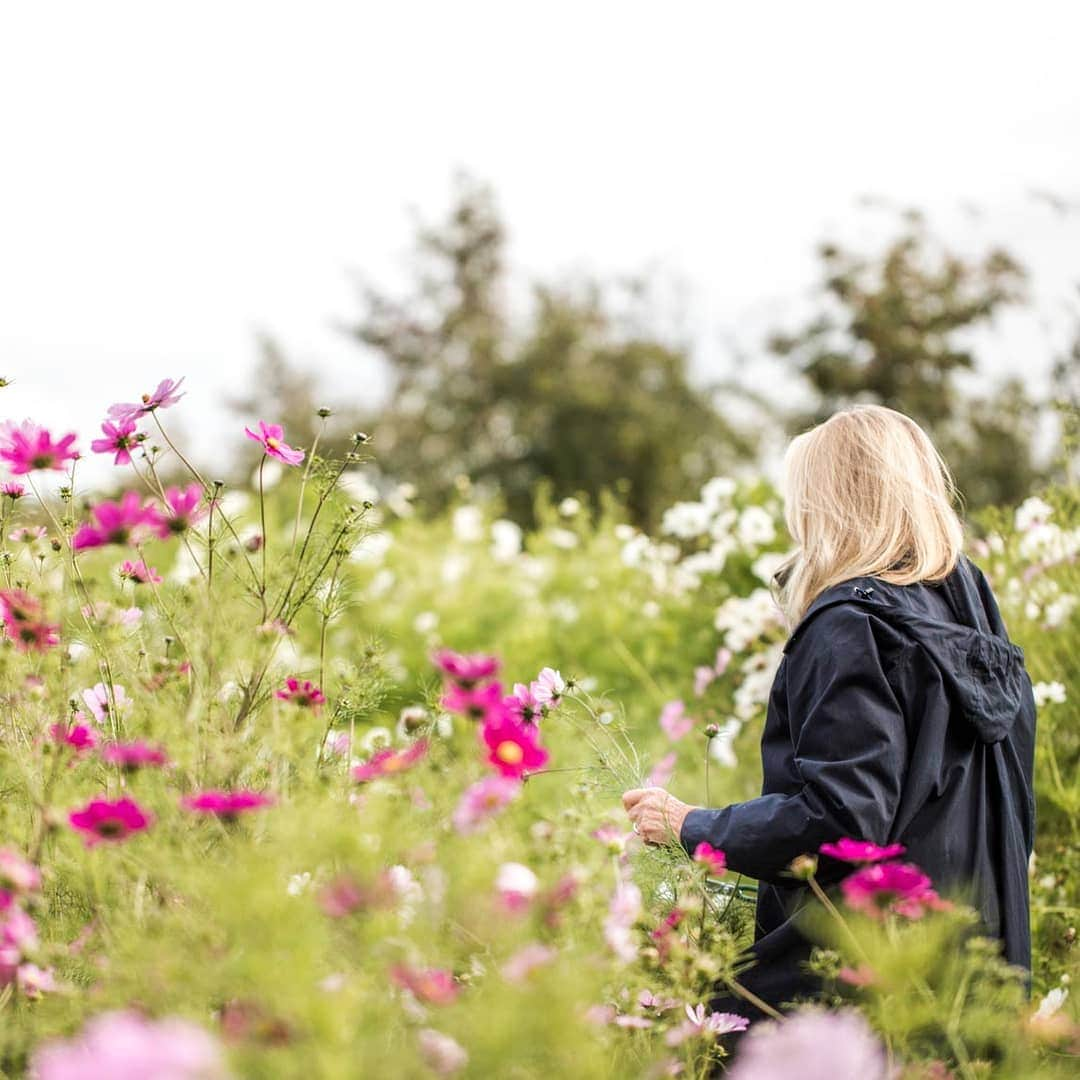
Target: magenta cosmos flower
[[12, 490], [27, 447], [861, 851], [522, 705], [513, 748], [184, 506], [24, 622], [464, 669], [899, 888], [101, 820], [304, 694], [165, 395], [135, 755], [388, 762], [79, 737], [227, 805], [483, 800], [127, 1046], [272, 437], [129, 521], [433, 986], [475, 702], [119, 440], [713, 859]]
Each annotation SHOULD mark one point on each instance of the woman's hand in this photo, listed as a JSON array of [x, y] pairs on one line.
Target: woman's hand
[[657, 815]]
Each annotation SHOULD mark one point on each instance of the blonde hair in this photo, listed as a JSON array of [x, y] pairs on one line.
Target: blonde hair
[[866, 493]]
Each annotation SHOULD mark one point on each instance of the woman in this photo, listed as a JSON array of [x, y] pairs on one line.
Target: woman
[[900, 711]]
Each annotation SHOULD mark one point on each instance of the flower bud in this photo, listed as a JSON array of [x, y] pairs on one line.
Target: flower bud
[[712, 730], [804, 867]]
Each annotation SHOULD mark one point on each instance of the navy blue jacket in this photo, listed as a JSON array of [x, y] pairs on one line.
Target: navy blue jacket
[[899, 713]]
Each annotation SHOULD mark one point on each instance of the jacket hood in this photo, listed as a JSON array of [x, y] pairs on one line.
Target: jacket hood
[[983, 671]]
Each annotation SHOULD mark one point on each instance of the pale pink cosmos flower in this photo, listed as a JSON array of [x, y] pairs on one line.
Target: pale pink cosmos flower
[[17, 873], [28, 447], [139, 573], [623, 912], [548, 687], [28, 534], [272, 438], [813, 1044], [100, 703], [127, 1046], [526, 960], [119, 439], [164, 396], [34, 981], [522, 705], [662, 771], [441, 1053], [612, 837], [483, 800], [128, 521], [517, 885], [699, 1024], [674, 722]]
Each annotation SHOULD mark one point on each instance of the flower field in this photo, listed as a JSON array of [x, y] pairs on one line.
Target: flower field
[[300, 780]]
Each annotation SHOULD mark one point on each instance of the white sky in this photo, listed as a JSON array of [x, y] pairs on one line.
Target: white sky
[[177, 176]]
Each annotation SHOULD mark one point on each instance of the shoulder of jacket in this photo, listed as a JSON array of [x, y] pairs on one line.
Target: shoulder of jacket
[[862, 594]]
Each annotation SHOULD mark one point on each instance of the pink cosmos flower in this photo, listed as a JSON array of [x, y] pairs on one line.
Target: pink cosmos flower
[[516, 885], [662, 771], [526, 960], [24, 622], [304, 694], [388, 762], [135, 755], [28, 534], [164, 396], [513, 748], [522, 705], [900, 888], [34, 981], [272, 438], [700, 1024], [127, 1046], [861, 851], [612, 837], [184, 508], [18, 936], [26, 447], [227, 805], [434, 986], [623, 912], [483, 800], [18, 874], [80, 737], [475, 702], [713, 859], [442, 1054], [128, 521], [812, 1044], [466, 670], [342, 897], [113, 821], [548, 687], [100, 703], [674, 721], [12, 490], [119, 440], [861, 976], [139, 573]]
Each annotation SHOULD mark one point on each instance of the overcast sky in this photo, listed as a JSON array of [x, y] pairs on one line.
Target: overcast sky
[[176, 177]]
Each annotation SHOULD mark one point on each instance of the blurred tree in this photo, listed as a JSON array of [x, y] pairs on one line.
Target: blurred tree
[[893, 330], [571, 393]]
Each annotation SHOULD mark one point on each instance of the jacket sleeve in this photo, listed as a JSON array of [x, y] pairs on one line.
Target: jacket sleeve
[[850, 751]]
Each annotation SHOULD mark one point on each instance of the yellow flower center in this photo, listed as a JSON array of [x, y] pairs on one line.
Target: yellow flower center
[[272, 442], [510, 752], [393, 764]]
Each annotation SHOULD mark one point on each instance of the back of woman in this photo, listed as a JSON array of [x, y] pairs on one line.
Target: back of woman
[[900, 713]]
